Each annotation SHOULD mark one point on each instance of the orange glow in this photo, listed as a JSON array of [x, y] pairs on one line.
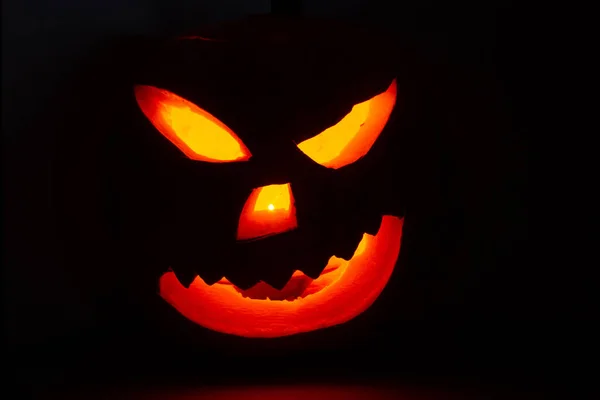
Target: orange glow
[[268, 210], [298, 391], [344, 290], [352, 137], [200, 135]]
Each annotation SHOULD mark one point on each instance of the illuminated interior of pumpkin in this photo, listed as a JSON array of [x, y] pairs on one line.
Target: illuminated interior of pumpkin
[[352, 137], [200, 135], [343, 290], [269, 210]]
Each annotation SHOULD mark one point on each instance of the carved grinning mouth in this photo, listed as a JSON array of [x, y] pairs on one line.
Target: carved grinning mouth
[[344, 290], [300, 285]]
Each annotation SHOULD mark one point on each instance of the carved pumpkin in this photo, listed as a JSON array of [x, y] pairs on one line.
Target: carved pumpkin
[[272, 194]]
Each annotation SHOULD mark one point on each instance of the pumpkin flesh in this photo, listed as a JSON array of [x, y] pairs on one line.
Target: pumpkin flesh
[[343, 290]]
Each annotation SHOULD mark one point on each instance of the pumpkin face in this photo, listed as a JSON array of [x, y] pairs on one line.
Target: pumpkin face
[[274, 205]]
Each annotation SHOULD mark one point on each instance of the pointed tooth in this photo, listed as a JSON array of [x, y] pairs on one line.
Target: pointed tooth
[[278, 281], [240, 283], [211, 280], [185, 276], [316, 264], [315, 273]]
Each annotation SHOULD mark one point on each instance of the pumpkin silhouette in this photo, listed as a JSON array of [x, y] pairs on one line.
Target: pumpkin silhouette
[[267, 137]]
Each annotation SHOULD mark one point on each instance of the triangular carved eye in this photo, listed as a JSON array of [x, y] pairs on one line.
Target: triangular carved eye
[[352, 137], [197, 133]]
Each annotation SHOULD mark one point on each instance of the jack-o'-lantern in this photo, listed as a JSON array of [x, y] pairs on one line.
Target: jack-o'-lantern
[[273, 195]]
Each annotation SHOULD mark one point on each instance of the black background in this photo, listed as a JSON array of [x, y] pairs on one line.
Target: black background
[[475, 311]]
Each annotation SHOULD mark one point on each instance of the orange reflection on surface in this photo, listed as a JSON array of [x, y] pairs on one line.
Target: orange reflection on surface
[[200, 135], [268, 210], [352, 137], [381, 390], [344, 290]]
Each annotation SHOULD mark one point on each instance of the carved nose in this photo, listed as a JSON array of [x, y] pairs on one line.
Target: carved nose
[[268, 211]]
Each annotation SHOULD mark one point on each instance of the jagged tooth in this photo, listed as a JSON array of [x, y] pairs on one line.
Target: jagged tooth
[[335, 264], [241, 284], [278, 282], [212, 280], [223, 281], [185, 276], [313, 274], [314, 269]]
